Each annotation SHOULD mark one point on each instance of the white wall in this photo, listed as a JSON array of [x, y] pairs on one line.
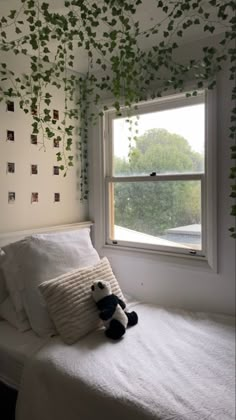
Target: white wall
[[22, 214], [155, 278]]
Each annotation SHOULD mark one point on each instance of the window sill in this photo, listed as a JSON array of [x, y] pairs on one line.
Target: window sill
[[191, 262]]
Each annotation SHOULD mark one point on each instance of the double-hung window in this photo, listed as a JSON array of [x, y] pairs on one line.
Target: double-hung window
[[156, 176]]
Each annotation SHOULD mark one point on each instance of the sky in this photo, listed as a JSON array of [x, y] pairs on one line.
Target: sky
[[188, 121]]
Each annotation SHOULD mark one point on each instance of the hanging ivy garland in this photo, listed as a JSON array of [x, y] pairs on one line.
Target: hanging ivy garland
[[111, 36]]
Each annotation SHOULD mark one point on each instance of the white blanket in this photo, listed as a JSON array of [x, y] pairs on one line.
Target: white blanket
[[172, 365]]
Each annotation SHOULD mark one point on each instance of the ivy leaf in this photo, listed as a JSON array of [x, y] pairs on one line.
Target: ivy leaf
[[30, 3], [30, 19], [233, 210], [12, 14], [113, 35]]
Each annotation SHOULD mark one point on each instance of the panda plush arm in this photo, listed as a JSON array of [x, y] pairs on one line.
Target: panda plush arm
[[122, 303], [107, 306]]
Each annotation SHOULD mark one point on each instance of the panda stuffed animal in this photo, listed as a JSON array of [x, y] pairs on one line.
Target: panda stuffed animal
[[112, 310]]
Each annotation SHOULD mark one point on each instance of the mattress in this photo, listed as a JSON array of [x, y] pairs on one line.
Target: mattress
[[15, 349]]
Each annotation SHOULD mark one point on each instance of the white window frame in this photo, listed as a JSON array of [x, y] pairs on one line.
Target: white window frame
[[207, 179]]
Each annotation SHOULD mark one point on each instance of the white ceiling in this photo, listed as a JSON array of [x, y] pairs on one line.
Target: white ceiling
[[147, 15]]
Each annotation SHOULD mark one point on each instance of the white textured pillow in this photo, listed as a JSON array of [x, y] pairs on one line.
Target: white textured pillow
[[70, 302], [8, 312], [41, 257], [10, 259], [19, 317]]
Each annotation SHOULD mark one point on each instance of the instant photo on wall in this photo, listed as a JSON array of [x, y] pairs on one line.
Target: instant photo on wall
[[56, 143], [57, 197], [11, 197], [34, 169], [55, 114], [34, 139], [56, 170], [34, 111], [10, 106], [10, 167], [34, 197], [10, 135]]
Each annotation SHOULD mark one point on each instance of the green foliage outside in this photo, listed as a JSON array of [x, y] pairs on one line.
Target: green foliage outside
[[153, 207]]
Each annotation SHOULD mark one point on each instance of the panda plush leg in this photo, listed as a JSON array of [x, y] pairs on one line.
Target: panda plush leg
[[115, 330], [132, 318]]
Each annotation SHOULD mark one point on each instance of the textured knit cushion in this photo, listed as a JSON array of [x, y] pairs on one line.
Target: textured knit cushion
[[70, 302], [31, 261]]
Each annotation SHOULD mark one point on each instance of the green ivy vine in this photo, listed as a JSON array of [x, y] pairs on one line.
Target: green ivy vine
[[112, 37]]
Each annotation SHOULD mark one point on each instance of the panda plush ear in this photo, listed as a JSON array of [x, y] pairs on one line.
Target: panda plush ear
[[100, 285], [92, 288]]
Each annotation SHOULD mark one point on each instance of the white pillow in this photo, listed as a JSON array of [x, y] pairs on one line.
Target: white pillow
[[8, 312], [9, 267], [19, 317], [70, 302], [38, 258]]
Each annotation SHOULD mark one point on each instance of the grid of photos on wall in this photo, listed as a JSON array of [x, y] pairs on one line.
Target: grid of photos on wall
[[34, 168]]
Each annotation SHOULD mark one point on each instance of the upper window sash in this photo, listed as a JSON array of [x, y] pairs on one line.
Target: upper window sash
[[160, 104]]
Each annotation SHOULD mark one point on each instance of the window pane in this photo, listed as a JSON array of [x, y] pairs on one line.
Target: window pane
[[159, 213], [168, 141]]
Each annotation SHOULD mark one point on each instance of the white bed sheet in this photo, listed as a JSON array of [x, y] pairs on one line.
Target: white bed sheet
[[15, 349], [173, 365]]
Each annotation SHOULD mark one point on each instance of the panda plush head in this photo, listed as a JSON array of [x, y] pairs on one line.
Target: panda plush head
[[100, 289]]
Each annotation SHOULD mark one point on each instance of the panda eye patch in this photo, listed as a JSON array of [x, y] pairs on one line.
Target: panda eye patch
[[100, 285], [92, 287]]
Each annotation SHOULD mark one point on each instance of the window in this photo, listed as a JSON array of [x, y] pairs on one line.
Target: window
[[157, 176]]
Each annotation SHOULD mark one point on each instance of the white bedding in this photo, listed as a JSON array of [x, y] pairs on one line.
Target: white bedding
[[173, 365], [15, 349]]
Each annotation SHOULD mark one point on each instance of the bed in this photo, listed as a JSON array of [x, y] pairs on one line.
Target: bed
[[173, 365]]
